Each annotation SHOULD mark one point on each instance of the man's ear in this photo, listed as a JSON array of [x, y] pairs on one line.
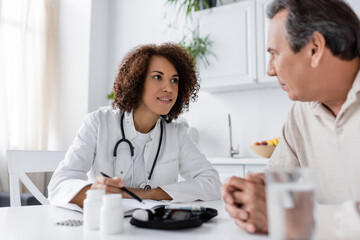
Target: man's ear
[[317, 48]]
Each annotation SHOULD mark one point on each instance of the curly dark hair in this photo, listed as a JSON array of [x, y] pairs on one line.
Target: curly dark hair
[[129, 82]]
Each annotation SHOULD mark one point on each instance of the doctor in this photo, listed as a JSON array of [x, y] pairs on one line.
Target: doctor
[[137, 143]]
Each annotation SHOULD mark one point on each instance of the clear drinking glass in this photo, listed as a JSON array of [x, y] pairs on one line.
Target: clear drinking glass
[[290, 195]]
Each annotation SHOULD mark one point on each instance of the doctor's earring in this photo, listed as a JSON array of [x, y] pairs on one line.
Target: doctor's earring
[[166, 117]]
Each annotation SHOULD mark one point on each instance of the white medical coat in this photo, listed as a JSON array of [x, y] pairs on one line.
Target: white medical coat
[[92, 152]]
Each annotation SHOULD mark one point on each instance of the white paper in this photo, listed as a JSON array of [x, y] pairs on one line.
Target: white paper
[[129, 205], [70, 206]]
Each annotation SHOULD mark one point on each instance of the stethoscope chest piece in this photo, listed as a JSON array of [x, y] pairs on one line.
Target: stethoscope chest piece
[[145, 186]]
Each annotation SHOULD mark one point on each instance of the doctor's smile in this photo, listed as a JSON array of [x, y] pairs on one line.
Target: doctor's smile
[[166, 100]]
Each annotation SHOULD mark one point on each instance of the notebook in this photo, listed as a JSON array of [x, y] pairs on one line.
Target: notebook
[[129, 205]]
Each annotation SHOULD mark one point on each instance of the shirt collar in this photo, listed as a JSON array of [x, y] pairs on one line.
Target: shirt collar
[[154, 132], [355, 89], [318, 109], [130, 130]]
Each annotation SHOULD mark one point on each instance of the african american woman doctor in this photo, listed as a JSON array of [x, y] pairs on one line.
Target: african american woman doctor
[[137, 143]]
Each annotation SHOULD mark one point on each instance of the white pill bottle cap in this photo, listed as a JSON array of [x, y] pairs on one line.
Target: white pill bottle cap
[[95, 193]]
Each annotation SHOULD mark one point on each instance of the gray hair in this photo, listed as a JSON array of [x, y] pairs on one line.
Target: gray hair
[[334, 19]]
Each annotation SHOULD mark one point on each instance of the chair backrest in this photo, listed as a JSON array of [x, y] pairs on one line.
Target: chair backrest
[[21, 162]]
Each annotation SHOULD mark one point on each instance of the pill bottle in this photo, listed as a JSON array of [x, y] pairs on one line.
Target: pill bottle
[[92, 207], [111, 214]]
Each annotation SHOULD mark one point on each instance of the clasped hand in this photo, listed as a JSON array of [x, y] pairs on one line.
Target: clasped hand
[[245, 201]]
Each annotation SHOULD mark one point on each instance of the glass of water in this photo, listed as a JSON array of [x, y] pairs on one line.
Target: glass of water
[[290, 194]]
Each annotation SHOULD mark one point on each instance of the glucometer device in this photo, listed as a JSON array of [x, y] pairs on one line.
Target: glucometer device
[[172, 217]]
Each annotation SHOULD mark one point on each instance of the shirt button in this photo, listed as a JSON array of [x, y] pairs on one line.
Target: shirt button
[[148, 172], [121, 172], [339, 130]]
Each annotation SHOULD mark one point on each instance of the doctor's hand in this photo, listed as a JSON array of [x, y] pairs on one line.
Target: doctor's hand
[[245, 201], [110, 185]]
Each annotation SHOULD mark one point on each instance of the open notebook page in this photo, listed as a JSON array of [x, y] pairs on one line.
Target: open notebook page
[[129, 205]]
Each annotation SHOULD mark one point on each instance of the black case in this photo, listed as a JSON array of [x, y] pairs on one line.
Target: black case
[[171, 219]]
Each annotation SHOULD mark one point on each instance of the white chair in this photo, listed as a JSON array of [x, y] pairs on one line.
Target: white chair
[[21, 162]]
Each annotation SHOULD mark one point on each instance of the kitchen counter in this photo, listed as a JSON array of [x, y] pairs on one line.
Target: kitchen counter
[[228, 167], [242, 161]]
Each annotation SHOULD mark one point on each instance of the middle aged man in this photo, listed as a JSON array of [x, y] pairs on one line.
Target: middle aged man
[[314, 47]]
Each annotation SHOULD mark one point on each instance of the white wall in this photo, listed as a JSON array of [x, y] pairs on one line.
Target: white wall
[[99, 54], [133, 23], [355, 4], [255, 115], [83, 62], [74, 33]]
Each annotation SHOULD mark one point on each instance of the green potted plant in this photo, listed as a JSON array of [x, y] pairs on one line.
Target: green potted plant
[[110, 96], [190, 6], [199, 47]]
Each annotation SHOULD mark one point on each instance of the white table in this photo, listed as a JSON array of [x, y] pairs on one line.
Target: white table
[[38, 223]]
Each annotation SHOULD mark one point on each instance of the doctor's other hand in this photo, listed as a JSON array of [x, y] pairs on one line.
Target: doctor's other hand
[[245, 201], [110, 185]]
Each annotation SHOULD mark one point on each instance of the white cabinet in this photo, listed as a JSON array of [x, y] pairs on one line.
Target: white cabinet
[[238, 32], [250, 168], [228, 170], [228, 167], [262, 25], [232, 30]]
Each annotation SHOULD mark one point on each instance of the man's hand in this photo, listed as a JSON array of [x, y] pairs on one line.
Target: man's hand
[[245, 201]]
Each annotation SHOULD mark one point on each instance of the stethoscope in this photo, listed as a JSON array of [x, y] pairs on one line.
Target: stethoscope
[[123, 139]]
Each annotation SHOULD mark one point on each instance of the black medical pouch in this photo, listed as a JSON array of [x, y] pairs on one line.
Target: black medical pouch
[[172, 219]]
